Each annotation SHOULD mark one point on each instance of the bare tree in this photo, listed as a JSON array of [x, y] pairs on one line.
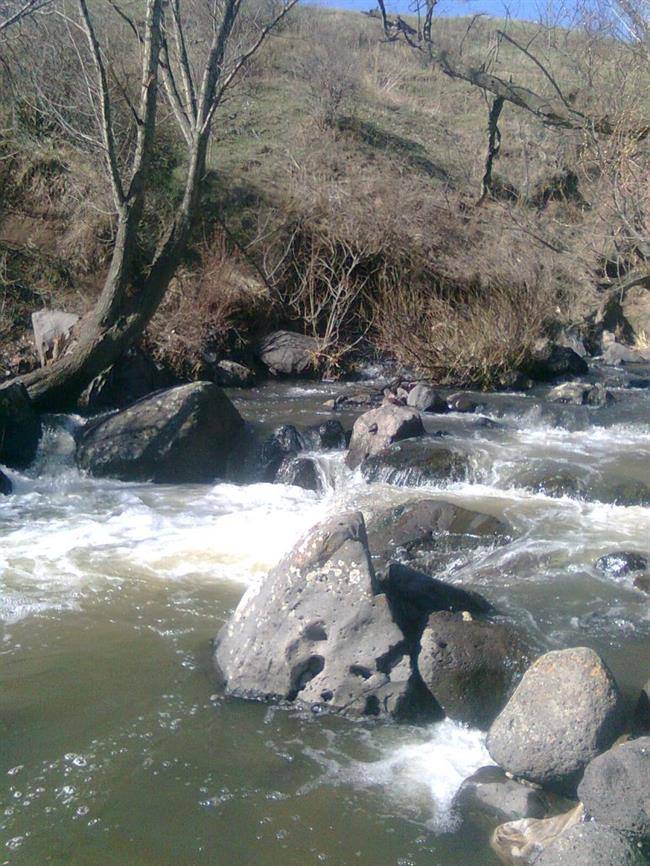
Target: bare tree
[[194, 82], [11, 13]]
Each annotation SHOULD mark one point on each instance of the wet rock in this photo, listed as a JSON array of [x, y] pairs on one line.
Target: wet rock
[[6, 487], [328, 436], [579, 394], [414, 596], [289, 354], [471, 667], [184, 434], [514, 380], [642, 582], [615, 788], [20, 427], [489, 797], [426, 532], [301, 472], [132, 377], [626, 493], [426, 399], [231, 374], [318, 631], [52, 333], [621, 563], [285, 441], [566, 710], [590, 844], [375, 430], [413, 462], [461, 402], [550, 361], [552, 482], [519, 843]]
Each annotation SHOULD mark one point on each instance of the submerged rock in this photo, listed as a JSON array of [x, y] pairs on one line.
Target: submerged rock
[[289, 354], [489, 798], [590, 844], [426, 533], [20, 427], [301, 472], [471, 667], [415, 461], [184, 434], [615, 788], [6, 487], [566, 710], [462, 402], [426, 399], [375, 430], [621, 563], [318, 630]]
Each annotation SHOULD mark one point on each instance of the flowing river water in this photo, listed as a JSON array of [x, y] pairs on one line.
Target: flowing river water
[[115, 747]]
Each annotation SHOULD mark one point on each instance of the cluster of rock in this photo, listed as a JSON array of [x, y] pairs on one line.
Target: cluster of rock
[[327, 630]]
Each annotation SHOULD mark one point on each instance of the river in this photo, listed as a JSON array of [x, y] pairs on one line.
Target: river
[[115, 747]]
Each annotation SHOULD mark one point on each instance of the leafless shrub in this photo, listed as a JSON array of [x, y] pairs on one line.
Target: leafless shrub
[[332, 74]]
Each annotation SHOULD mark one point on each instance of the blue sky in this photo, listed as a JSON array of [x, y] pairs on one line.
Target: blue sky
[[518, 8]]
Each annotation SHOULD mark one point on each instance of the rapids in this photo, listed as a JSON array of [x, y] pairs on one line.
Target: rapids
[[114, 746]]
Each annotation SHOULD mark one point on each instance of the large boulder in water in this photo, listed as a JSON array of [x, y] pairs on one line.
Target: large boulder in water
[[287, 353], [375, 430], [566, 710], [424, 398], [426, 533], [615, 788], [317, 630], [20, 427], [184, 434], [414, 462], [471, 667], [590, 844], [300, 472]]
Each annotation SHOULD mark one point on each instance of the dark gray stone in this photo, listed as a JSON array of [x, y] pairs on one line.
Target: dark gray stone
[[413, 462], [580, 394], [590, 844], [301, 472], [426, 399], [131, 378], [285, 441], [20, 427], [621, 563], [377, 429], [318, 631], [566, 710], [184, 434], [328, 436], [550, 361], [489, 798], [6, 487], [642, 710], [231, 374], [427, 533], [626, 493], [289, 354], [471, 667], [615, 788]]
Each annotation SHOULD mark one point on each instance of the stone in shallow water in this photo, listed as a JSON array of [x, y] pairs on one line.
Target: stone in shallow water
[[615, 788], [180, 435], [471, 667], [489, 797], [6, 486], [318, 630], [415, 462], [301, 472], [621, 563], [20, 427], [375, 430], [566, 710], [426, 399]]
